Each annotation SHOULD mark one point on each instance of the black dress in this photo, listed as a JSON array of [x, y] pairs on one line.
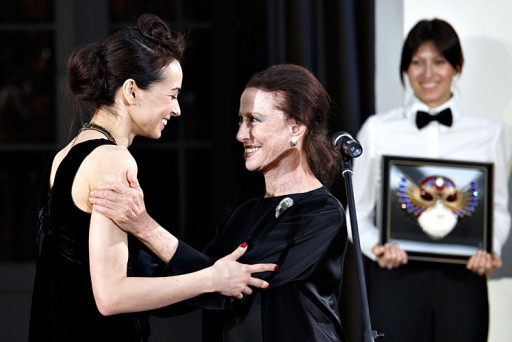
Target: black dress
[[63, 305], [308, 241]]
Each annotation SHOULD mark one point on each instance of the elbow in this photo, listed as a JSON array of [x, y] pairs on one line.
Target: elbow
[[107, 304]]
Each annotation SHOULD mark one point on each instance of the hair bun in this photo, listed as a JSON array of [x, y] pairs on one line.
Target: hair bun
[[155, 29]]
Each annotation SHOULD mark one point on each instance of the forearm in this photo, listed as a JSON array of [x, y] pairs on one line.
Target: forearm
[[158, 240], [134, 294], [115, 293]]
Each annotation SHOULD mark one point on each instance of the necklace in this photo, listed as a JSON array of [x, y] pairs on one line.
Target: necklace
[[94, 127]]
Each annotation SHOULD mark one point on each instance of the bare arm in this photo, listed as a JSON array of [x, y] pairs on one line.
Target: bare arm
[[125, 206], [115, 292]]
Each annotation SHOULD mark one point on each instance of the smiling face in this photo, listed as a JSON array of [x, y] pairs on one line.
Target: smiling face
[[156, 105], [264, 130], [431, 75]]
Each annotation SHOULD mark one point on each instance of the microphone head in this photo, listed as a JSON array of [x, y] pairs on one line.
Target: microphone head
[[346, 144], [336, 139]]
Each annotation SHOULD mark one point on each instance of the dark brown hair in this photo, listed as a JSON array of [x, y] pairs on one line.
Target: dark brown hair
[[140, 52], [441, 34], [306, 101]]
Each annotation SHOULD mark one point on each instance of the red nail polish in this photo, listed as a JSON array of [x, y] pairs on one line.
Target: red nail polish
[[243, 245], [276, 268]]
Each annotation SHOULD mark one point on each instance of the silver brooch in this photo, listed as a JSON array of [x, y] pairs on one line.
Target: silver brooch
[[285, 203]]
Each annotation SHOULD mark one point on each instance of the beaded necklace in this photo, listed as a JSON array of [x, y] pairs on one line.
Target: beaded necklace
[[94, 127]]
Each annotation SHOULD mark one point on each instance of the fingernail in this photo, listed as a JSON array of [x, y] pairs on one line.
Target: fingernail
[[276, 268], [267, 286], [244, 245]]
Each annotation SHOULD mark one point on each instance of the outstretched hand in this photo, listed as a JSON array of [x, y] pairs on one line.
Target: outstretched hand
[[122, 204], [234, 279], [390, 255]]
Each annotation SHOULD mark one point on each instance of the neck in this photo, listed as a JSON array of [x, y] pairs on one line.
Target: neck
[[114, 124], [298, 181]]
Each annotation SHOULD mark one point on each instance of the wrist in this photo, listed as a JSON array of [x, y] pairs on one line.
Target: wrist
[[210, 280], [147, 230], [159, 240]]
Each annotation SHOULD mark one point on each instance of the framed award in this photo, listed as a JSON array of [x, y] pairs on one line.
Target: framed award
[[437, 210]]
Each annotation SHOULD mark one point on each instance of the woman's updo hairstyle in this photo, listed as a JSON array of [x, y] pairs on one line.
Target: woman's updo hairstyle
[[95, 71]]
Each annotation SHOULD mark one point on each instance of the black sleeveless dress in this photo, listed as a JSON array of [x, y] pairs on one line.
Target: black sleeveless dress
[[63, 305]]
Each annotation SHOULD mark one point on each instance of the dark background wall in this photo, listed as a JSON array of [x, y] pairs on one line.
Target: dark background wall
[[228, 42]]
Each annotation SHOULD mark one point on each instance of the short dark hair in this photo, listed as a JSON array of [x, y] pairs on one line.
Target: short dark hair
[[441, 34], [140, 52], [306, 101]]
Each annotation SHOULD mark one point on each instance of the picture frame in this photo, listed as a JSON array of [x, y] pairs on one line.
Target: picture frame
[[437, 210]]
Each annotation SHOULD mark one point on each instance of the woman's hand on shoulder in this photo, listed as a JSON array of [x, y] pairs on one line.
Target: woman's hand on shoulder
[[390, 255], [235, 279]]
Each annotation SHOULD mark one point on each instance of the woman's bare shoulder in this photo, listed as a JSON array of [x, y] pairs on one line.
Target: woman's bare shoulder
[[109, 163]]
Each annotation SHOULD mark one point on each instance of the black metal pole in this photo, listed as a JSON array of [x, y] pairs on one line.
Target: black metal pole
[[369, 335]]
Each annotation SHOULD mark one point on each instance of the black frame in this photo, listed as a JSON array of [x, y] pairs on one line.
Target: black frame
[[399, 218]]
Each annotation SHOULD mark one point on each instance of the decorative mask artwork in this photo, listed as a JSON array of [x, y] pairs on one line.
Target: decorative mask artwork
[[437, 203]]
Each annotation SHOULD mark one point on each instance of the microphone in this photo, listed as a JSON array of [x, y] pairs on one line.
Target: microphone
[[346, 144]]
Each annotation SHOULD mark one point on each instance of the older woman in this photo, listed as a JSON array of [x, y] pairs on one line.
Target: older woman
[[297, 224]]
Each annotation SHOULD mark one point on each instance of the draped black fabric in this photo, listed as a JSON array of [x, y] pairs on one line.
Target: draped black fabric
[[335, 40], [307, 241]]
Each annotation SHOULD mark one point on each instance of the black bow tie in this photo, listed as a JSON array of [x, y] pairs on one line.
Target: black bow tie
[[444, 117]]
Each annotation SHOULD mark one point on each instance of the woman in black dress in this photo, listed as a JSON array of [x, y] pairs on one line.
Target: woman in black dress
[[297, 224], [85, 288]]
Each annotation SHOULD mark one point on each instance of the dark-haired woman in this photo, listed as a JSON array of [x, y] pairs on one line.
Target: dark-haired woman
[[85, 287], [297, 223], [421, 300]]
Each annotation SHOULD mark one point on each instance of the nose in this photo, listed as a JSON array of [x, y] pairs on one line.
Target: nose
[[243, 133], [176, 109], [428, 69]]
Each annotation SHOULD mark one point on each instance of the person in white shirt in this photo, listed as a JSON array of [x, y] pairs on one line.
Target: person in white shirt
[[419, 300]]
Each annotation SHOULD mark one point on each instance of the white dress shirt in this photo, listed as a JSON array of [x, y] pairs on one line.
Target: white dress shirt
[[470, 138]]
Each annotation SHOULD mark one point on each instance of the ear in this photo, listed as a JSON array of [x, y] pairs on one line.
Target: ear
[[297, 129], [130, 90]]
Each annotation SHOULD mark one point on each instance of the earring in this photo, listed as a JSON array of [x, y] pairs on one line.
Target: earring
[[293, 143]]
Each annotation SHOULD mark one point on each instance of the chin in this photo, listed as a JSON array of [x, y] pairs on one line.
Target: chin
[[433, 98], [155, 135], [250, 167]]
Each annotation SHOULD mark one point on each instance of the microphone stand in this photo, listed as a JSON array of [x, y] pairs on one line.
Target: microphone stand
[[369, 335]]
